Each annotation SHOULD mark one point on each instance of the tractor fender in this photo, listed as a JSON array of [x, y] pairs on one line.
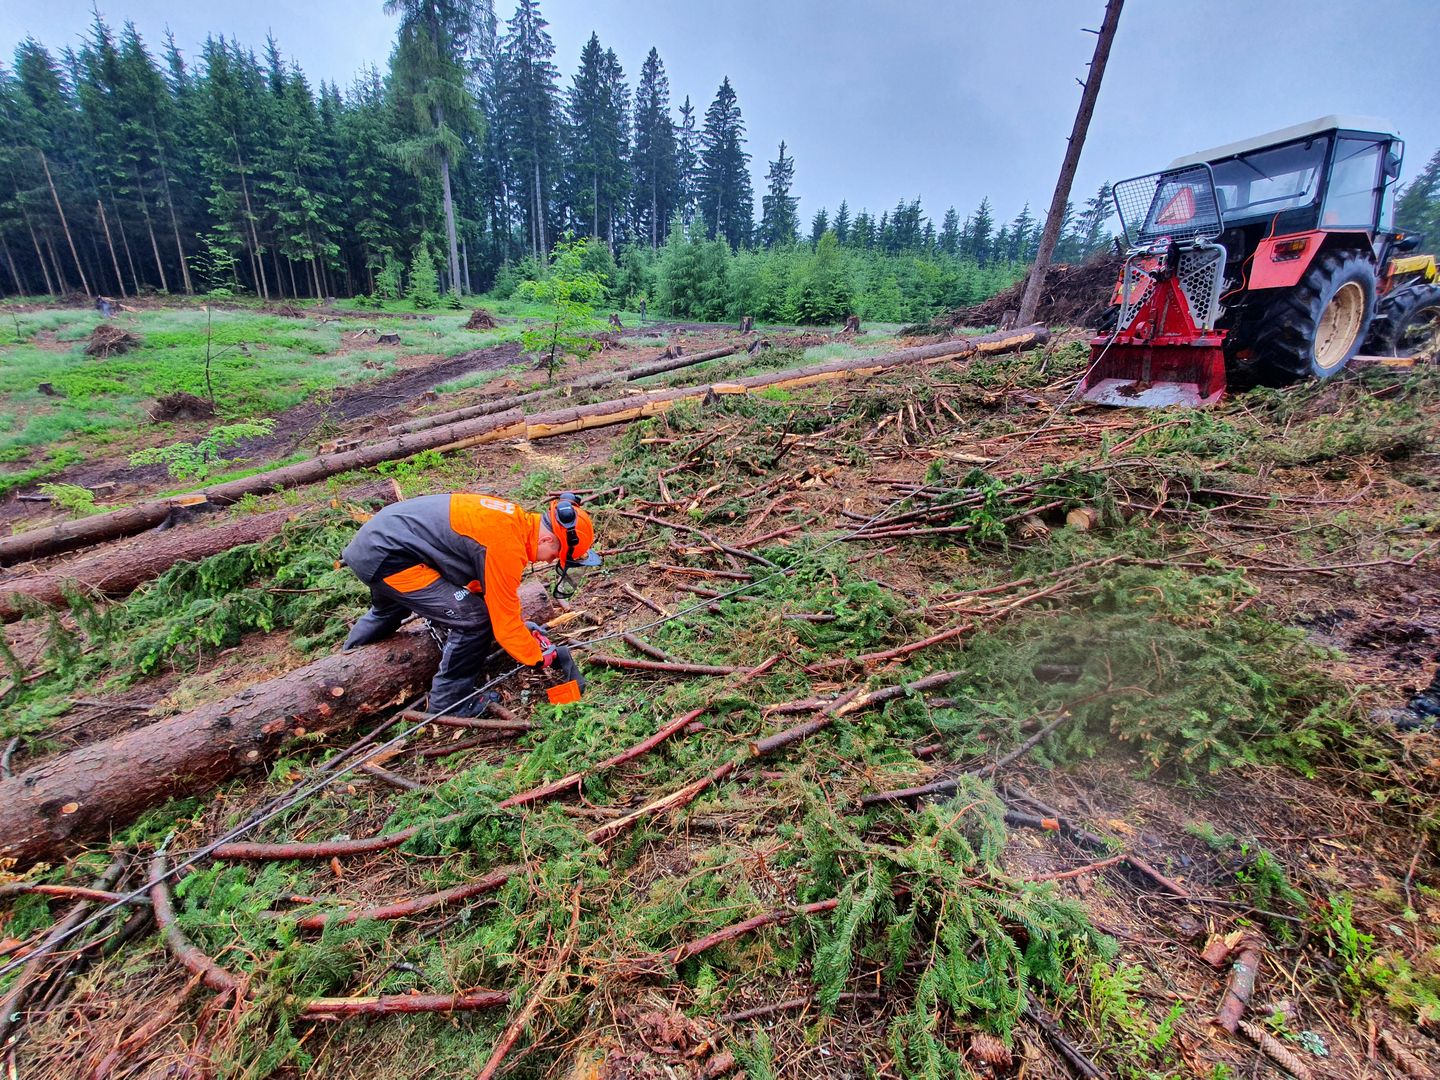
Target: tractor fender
[[1278, 265]]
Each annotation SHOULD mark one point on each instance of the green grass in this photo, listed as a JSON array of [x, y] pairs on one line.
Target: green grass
[[261, 365]]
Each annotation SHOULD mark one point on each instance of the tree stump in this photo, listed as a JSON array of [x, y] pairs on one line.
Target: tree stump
[[852, 324], [389, 339]]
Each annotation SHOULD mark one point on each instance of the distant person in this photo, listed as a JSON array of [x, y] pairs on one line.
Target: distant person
[[642, 311], [457, 560]]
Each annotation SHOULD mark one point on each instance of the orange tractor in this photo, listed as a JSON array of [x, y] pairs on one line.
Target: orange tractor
[[1275, 256]]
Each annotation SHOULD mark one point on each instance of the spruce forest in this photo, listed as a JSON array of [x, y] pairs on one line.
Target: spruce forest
[[127, 167], [1013, 649]]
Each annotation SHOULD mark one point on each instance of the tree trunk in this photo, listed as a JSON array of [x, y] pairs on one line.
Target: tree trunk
[[150, 231], [60, 277], [40, 258], [1050, 235], [35, 543], [450, 222], [465, 263], [105, 224], [117, 571], [486, 408], [20, 287], [175, 224], [260, 285], [129, 257], [49, 811], [63, 223], [540, 211]]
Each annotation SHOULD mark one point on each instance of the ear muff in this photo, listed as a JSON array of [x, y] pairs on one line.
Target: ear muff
[[564, 521]]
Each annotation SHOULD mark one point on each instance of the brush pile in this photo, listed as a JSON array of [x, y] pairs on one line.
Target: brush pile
[[1074, 295], [109, 340]]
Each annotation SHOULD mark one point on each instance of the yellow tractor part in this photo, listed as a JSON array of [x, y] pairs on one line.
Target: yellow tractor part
[[1420, 267]]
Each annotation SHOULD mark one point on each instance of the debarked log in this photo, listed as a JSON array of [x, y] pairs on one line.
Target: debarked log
[[50, 810], [584, 382]]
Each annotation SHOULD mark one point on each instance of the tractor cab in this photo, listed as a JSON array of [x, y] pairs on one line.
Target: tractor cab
[[1270, 253]]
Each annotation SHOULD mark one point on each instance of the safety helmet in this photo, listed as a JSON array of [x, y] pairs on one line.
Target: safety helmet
[[571, 524]]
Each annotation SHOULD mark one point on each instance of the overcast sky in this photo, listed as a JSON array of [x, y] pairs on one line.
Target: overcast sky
[[950, 102]]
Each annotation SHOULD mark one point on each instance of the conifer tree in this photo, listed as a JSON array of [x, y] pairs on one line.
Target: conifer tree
[[1023, 236], [530, 111], [726, 201], [597, 138], [657, 182], [862, 234], [842, 223], [982, 228], [819, 225], [1091, 234], [424, 288], [949, 240], [428, 77], [687, 163], [779, 221]]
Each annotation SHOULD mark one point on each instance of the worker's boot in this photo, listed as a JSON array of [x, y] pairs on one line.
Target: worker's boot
[[375, 625]]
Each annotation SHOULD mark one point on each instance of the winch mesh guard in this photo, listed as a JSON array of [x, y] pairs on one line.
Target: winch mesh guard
[[1178, 205]]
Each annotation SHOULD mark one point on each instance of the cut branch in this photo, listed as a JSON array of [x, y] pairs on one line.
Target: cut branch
[[391, 1004], [196, 962]]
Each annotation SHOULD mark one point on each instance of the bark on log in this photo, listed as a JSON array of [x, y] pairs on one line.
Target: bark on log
[[658, 366], [118, 571], [50, 810], [134, 519]]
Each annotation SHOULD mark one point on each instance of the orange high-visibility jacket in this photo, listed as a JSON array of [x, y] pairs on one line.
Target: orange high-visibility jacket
[[477, 542]]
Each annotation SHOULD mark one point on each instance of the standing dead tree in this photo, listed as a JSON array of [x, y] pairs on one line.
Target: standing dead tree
[[1050, 236]]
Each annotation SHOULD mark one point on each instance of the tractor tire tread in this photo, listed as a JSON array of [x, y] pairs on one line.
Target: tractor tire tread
[[1393, 315], [1285, 339]]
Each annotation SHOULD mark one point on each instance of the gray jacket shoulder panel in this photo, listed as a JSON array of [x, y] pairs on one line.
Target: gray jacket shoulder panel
[[415, 531]]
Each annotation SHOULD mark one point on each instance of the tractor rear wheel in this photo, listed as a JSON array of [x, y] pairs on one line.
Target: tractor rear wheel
[[1315, 328], [1407, 321]]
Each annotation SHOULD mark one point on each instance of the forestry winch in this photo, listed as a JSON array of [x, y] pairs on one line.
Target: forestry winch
[[1276, 255]]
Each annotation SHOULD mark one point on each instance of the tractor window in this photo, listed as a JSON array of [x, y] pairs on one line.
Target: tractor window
[[1269, 181], [1350, 199]]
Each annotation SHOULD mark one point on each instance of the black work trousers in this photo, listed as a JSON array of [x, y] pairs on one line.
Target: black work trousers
[[447, 606]]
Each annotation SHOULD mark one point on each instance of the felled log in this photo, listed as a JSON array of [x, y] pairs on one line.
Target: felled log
[[35, 543], [657, 402], [50, 810], [119, 570], [667, 361]]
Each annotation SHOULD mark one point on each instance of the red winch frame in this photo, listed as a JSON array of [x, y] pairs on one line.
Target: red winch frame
[[1161, 358]]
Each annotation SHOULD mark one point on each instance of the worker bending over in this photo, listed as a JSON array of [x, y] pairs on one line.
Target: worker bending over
[[457, 560]]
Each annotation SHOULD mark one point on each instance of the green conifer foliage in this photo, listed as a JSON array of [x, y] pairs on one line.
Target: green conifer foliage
[[424, 290]]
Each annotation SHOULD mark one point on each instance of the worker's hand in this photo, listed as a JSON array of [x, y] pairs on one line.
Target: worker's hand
[[547, 648]]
